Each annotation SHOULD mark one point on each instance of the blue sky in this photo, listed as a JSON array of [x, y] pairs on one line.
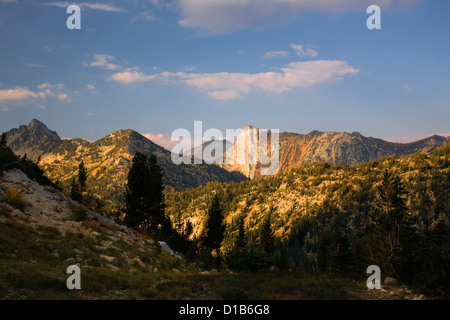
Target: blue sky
[[293, 65]]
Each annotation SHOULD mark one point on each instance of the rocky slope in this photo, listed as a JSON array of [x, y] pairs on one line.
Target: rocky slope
[[41, 207]]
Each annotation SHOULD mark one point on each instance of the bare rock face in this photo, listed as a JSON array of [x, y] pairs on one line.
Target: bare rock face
[[332, 147], [33, 140]]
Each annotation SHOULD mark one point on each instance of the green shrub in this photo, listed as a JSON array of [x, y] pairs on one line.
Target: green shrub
[[14, 198], [77, 213]]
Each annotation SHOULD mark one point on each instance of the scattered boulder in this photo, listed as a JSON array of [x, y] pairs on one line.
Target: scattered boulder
[[70, 260], [111, 260], [18, 214], [140, 263], [165, 247], [110, 266]]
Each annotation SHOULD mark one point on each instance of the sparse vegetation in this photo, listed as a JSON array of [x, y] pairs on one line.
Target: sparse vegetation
[[14, 198], [77, 213]]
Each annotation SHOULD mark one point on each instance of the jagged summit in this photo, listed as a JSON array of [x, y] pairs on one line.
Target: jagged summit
[[32, 140]]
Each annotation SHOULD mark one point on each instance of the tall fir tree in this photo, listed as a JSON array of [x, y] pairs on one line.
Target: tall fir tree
[[267, 236], [144, 199], [3, 140], [242, 239], [392, 224], [215, 227], [75, 192], [82, 177]]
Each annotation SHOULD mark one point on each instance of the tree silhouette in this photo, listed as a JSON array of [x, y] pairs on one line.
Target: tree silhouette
[[215, 227], [144, 199], [82, 176]]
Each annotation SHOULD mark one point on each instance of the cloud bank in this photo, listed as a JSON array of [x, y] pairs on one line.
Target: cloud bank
[[227, 85], [219, 17]]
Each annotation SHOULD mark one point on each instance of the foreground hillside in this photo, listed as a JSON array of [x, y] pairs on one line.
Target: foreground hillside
[[40, 236]]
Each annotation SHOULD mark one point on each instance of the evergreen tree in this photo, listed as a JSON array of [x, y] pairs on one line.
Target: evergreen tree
[[392, 223], [342, 257], [3, 140], [215, 227], [82, 177], [157, 204], [75, 192], [440, 250], [242, 239], [144, 199], [267, 236]]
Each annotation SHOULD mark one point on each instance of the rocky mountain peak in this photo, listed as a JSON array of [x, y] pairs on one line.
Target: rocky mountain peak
[[33, 140]]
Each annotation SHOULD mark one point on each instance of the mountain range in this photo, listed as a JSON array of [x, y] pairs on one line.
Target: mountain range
[[333, 147], [108, 159]]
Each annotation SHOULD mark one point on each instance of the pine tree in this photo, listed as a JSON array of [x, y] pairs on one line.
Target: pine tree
[[157, 204], [144, 199], [215, 227], [3, 140], [393, 224], [82, 177], [267, 236], [75, 193], [242, 239]]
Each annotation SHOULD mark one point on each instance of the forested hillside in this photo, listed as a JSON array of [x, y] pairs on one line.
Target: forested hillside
[[333, 218]]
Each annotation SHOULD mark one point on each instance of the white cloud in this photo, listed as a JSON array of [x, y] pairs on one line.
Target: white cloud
[[303, 51], [45, 90], [93, 6], [9, 1], [227, 86], [90, 86], [131, 76], [63, 97], [42, 107], [218, 17], [21, 93], [224, 94], [272, 54], [46, 85], [104, 61]]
